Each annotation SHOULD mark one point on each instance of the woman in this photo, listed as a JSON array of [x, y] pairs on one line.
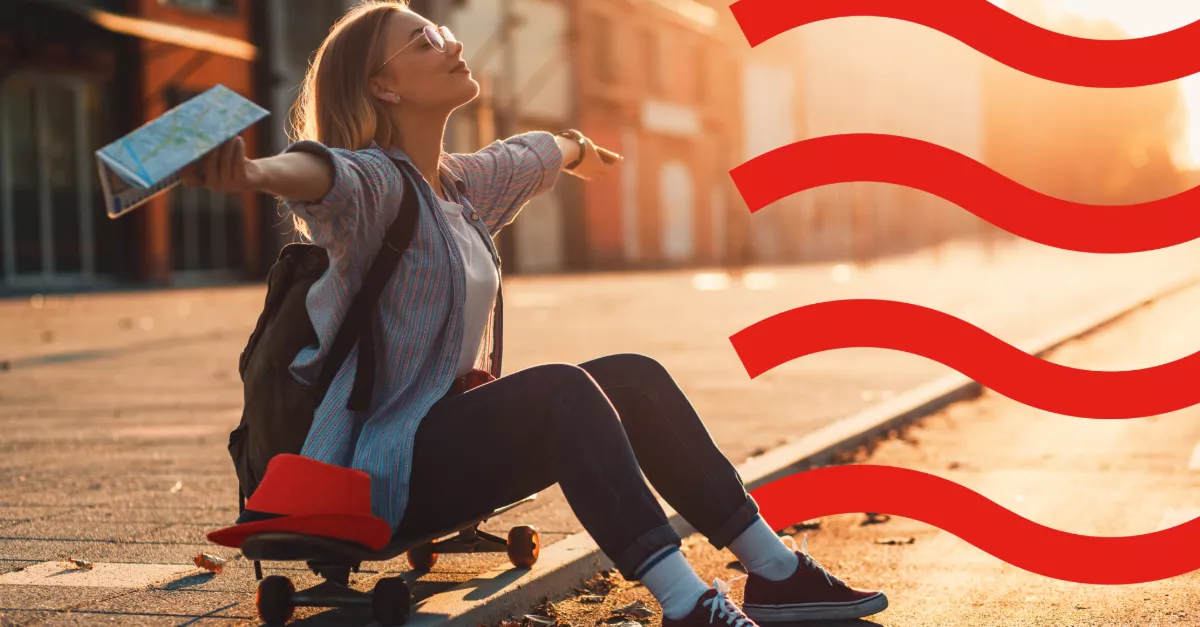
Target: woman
[[377, 99]]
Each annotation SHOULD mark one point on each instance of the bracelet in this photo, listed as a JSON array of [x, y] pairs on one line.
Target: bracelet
[[578, 137]]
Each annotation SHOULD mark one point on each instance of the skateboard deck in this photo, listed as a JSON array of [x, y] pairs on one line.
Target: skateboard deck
[[290, 547]]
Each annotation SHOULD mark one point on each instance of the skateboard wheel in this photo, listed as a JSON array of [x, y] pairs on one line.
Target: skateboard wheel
[[390, 601], [523, 546], [422, 557], [274, 600]]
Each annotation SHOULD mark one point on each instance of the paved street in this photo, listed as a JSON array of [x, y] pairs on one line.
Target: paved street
[[115, 408], [1094, 477]]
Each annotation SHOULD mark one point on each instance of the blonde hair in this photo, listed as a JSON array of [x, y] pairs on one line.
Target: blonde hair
[[335, 106]]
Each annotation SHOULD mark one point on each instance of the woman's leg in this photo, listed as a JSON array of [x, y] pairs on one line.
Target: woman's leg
[[673, 447], [684, 465], [520, 434]]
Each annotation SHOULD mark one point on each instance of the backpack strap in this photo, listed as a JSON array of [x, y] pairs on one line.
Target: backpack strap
[[359, 325]]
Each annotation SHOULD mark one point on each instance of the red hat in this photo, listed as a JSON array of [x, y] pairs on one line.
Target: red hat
[[303, 495]]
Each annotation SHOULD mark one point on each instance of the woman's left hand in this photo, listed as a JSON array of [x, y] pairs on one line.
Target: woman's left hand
[[597, 162]]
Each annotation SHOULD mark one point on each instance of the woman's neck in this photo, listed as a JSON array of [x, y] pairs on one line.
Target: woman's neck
[[420, 136]]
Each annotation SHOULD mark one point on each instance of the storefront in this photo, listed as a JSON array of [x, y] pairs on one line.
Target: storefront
[[74, 76]]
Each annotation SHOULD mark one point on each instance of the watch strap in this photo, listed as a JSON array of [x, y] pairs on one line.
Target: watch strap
[[578, 137]]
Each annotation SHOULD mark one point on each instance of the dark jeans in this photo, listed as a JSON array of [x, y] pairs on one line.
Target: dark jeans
[[593, 429]]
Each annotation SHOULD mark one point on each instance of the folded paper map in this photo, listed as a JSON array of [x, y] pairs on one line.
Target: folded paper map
[[147, 162]]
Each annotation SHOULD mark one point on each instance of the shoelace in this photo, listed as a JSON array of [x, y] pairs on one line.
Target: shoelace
[[728, 612], [812, 561]]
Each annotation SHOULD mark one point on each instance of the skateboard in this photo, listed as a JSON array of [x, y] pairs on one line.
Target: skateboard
[[390, 599]]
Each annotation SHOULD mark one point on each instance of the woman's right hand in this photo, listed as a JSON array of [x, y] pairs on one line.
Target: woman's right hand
[[225, 169]]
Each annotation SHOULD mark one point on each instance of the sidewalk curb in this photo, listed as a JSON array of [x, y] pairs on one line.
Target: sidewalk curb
[[566, 564]]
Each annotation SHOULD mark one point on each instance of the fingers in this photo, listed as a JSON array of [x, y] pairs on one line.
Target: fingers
[[222, 169], [190, 176], [210, 171], [235, 164]]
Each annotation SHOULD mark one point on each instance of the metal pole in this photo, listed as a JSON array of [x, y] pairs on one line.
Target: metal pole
[[507, 109]]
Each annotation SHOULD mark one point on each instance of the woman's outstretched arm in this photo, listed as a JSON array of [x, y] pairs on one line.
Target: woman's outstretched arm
[[294, 176]]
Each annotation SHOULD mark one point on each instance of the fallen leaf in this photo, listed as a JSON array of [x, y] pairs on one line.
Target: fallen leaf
[[212, 563], [808, 525], [591, 598], [547, 608], [540, 620], [81, 564], [637, 609], [908, 540], [875, 519], [598, 585]]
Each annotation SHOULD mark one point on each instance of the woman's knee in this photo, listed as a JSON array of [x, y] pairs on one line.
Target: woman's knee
[[627, 369], [566, 379]]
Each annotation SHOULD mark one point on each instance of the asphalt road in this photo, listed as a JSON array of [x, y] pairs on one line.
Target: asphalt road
[[115, 408], [1093, 477]]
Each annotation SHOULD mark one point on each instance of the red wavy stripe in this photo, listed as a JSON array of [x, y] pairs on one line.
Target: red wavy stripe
[[1000, 35], [971, 185], [971, 351], [980, 522]]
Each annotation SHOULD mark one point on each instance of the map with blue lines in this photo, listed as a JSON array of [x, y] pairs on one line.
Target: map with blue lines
[[147, 162]]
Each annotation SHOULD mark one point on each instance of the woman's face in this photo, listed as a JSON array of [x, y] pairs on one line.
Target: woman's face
[[417, 73]]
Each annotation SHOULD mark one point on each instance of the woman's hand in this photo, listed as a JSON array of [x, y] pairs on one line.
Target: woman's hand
[[597, 162], [225, 169]]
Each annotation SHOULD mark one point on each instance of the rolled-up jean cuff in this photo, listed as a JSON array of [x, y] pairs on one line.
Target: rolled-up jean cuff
[[736, 524], [643, 547]]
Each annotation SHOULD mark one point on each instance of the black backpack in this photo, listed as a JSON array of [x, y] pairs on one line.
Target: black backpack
[[279, 410]]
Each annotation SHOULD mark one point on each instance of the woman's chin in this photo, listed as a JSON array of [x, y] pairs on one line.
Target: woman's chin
[[469, 88]]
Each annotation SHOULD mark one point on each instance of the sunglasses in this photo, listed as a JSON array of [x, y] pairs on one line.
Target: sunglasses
[[437, 37]]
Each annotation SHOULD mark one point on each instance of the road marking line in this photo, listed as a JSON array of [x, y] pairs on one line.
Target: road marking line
[[99, 576]]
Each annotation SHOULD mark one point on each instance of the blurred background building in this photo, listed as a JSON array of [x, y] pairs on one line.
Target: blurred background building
[[670, 84]]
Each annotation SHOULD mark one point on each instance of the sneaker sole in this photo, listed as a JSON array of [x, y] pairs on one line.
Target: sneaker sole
[[817, 611]]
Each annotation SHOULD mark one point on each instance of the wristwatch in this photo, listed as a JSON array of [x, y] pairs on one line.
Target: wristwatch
[[571, 133]]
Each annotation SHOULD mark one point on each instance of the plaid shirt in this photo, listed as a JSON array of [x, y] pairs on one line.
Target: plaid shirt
[[421, 308]]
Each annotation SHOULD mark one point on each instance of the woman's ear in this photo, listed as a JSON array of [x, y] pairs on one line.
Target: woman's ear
[[380, 92]]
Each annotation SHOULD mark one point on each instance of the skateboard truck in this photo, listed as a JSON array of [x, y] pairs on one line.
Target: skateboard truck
[[333, 560]]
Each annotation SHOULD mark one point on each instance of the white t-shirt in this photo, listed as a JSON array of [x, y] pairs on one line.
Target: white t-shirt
[[482, 283]]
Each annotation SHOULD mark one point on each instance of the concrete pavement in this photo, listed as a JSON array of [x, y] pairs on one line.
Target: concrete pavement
[[115, 408]]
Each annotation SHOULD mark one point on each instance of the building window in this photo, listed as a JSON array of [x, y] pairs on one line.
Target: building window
[[48, 199], [652, 57], [602, 49], [228, 7], [206, 226]]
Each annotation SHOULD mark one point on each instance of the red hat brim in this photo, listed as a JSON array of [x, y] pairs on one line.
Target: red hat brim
[[365, 529]]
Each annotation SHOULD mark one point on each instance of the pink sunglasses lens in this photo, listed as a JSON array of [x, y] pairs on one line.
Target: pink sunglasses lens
[[435, 39]]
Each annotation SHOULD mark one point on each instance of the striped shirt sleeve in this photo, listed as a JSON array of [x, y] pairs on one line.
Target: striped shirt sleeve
[[505, 175], [367, 187]]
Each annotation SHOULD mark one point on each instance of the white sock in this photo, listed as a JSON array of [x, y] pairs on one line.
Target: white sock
[[762, 552], [673, 583]]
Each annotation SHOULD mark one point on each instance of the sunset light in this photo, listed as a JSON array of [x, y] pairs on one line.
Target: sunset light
[[1143, 19]]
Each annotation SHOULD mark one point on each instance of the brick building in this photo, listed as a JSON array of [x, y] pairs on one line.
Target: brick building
[[73, 77], [659, 82]]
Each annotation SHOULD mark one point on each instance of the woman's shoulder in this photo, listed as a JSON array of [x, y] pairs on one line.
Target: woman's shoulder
[[372, 153]]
